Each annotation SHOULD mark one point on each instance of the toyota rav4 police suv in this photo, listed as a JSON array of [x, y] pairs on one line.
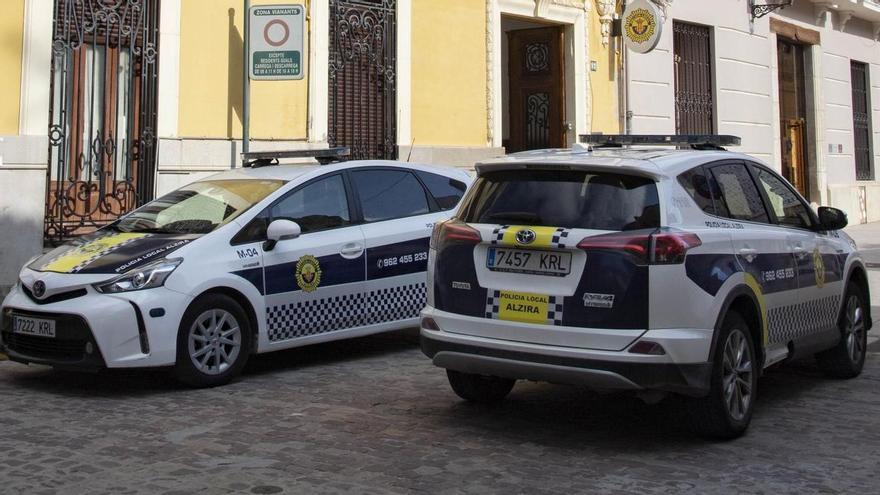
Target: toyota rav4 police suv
[[646, 270], [247, 261]]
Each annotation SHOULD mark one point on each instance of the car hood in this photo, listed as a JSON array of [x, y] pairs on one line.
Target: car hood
[[110, 252]]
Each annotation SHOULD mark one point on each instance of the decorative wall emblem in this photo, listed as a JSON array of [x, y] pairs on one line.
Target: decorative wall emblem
[[642, 25]]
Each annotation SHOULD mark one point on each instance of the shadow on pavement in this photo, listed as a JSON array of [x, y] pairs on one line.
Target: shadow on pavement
[[144, 382], [569, 417]]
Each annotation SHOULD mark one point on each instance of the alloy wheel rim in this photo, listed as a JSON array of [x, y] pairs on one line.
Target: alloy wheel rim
[[854, 329], [214, 341], [737, 375]]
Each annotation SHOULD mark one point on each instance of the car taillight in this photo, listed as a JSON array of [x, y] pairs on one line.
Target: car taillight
[[671, 248], [635, 245], [454, 231], [662, 248]]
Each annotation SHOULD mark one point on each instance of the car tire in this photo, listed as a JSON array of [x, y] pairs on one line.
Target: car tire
[[847, 358], [479, 388], [213, 342], [726, 411]]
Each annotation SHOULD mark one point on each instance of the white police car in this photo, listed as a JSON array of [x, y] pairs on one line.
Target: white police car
[[647, 270], [247, 261]]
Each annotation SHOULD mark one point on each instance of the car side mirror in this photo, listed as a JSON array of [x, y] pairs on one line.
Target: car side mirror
[[280, 230], [832, 219]]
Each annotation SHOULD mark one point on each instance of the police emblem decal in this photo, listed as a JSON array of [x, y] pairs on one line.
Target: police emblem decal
[[308, 273], [526, 236], [819, 268], [39, 288]]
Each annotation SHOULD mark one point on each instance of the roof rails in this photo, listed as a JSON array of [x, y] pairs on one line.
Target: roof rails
[[257, 159], [701, 142]]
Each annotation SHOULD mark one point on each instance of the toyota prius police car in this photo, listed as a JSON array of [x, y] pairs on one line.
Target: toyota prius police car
[[247, 261], [650, 270]]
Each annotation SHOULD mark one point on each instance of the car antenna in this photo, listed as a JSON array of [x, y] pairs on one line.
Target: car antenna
[[411, 146]]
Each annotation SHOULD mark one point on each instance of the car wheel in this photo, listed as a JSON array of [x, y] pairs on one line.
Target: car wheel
[[213, 342], [479, 388], [847, 358], [727, 410]]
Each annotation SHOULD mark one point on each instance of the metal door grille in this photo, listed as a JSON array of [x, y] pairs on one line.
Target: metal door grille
[[363, 77], [861, 121], [694, 102], [102, 146]]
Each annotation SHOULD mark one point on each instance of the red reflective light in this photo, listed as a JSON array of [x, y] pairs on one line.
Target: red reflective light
[[647, 347], [430, 324], [664, 248]]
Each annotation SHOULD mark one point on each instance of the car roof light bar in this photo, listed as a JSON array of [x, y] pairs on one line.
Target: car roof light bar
[[324, 156], [694, 141]]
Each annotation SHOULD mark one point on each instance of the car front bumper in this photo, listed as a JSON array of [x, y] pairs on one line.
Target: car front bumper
[[679, 370], [95, 331]]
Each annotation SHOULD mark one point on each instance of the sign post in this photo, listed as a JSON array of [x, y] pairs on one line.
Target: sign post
[[273, 50]]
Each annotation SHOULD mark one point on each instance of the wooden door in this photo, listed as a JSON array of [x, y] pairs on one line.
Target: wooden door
[[793, 114], [537, 89]]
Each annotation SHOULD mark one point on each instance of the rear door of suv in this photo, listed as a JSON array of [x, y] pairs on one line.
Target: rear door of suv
[[562, 253]]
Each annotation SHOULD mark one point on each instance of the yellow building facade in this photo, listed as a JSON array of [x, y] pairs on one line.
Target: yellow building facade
[[431, 81]]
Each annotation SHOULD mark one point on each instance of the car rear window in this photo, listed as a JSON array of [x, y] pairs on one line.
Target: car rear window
[[564, 198]]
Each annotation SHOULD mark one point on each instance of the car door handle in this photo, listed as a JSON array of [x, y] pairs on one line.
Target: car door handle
[[351, 250], [748, 253], [799, 251]]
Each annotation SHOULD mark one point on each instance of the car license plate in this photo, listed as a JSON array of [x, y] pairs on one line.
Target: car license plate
[[33, 326], [532, 262]]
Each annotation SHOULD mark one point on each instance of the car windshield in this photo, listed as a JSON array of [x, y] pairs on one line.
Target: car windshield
[[198, 208], [564, 198]]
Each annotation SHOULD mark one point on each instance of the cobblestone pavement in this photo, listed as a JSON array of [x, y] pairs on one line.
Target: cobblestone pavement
[[374, 416]]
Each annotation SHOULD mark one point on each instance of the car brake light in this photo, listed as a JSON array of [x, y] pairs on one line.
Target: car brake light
[[635, 245], [663, 248], [454, 231], [670, 248]]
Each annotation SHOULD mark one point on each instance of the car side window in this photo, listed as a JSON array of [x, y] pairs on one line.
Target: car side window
[[388, 194], [786, 205], [320, 205], [696, 184], [736, 196], [446, 191]]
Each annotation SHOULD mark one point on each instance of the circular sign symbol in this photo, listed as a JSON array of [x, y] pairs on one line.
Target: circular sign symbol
[[276, 32], [642, 25]]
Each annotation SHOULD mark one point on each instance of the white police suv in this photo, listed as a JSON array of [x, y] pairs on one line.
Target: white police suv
[[647, 270], [247, 261]]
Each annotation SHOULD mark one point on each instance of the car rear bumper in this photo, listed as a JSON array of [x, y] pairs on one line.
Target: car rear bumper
[[597, 369]]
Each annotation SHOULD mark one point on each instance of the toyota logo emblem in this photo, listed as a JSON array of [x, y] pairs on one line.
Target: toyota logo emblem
[[39, 288], [526, 236]]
